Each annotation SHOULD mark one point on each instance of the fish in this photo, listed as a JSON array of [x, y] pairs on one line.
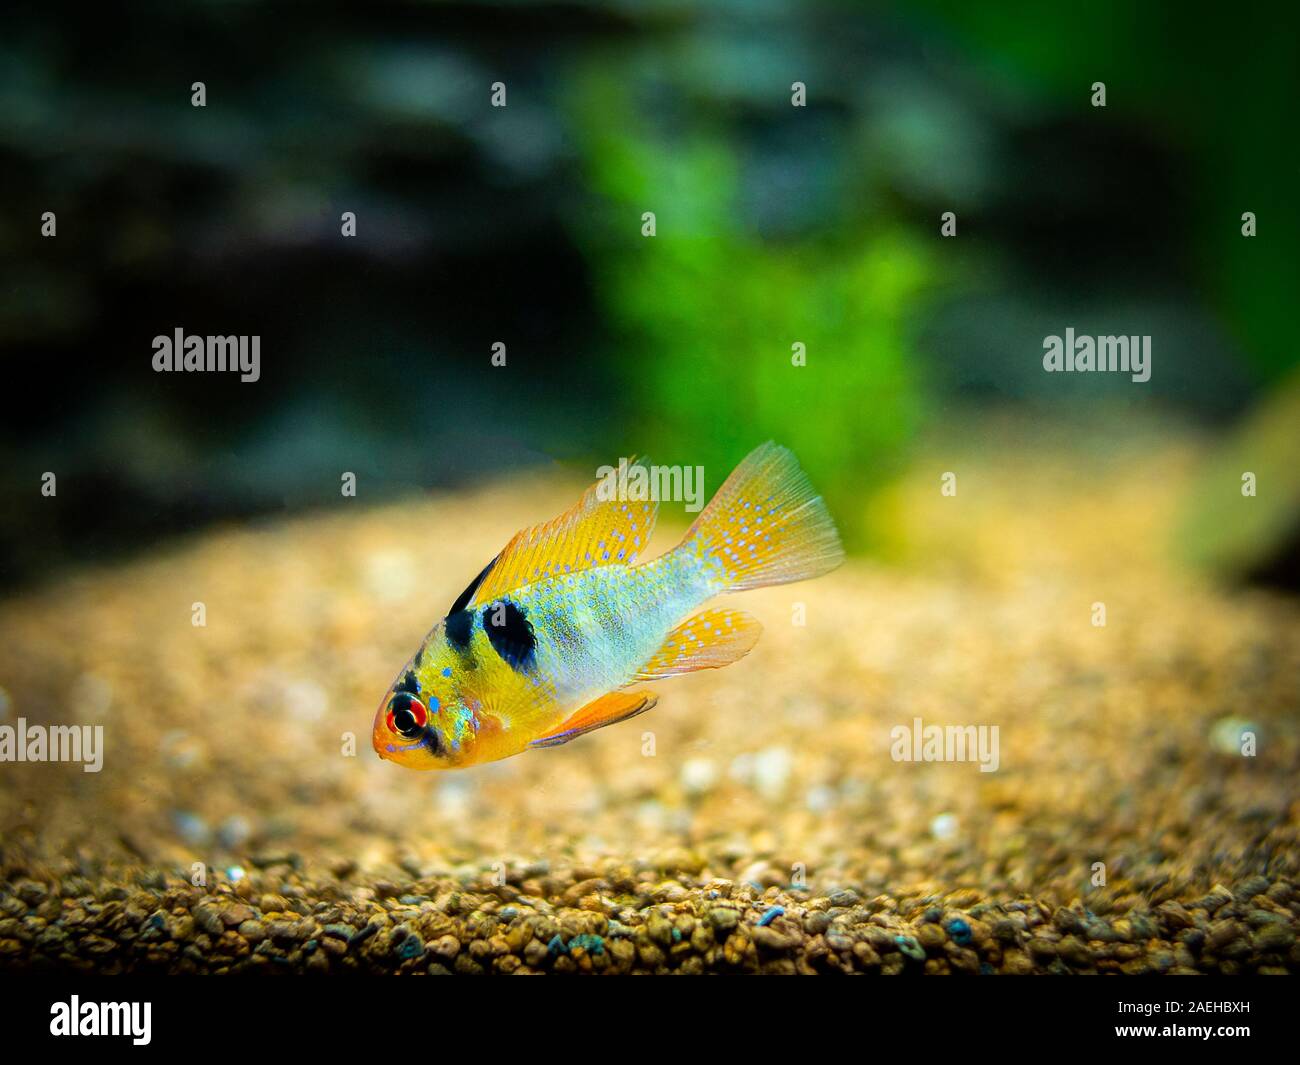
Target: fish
[[557, 634]]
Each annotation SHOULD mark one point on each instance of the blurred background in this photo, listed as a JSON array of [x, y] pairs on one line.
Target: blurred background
[[776, 225], [1099, 589]]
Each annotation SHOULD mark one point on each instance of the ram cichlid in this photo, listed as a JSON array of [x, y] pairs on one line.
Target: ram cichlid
[[544, 643]]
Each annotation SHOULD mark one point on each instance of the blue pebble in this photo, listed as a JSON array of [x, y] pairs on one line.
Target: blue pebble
[[771, 915], [191, 826], [592, 944], [960, 931], [556, 945]]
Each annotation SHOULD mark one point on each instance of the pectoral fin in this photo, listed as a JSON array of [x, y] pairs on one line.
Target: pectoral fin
[[607, 710], [709, 640]]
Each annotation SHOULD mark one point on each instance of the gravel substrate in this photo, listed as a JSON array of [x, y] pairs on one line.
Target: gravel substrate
[[616, 918], [754, 821]]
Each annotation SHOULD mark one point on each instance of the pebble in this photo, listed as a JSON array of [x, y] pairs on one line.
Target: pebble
[[411, 947], [209, 919], [1273, 937], [910, 947], [236, 915], [234, 832], [771, 939], [698, 776], [592, 944], [816, 923], [944, 827], [772, 769], [192, 828], [960, 931]]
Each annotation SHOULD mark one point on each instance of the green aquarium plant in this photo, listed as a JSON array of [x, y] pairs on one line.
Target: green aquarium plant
[[725, 336]]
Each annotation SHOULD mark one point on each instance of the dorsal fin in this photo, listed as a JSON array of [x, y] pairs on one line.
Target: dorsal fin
[[462, 600], [599, 530]]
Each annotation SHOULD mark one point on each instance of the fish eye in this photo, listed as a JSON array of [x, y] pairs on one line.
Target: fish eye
[[406, 715]]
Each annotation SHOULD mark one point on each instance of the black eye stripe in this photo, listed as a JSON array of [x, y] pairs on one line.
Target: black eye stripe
[[459, 627], [410, 683]]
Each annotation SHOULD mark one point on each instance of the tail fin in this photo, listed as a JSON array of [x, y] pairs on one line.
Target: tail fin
[[765, 526]]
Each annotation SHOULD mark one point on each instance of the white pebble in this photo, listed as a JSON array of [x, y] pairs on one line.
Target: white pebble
[[944, 826], [651, 815], [820, 799], [234, 832], [1227, 734], [741, 769], [772, 768], [698, 776], [455, 799]]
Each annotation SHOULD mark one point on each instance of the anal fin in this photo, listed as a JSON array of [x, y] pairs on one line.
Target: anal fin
[[607, 710], [709, 640]]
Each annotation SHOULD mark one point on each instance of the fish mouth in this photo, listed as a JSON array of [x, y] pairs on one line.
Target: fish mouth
[[382, 741]]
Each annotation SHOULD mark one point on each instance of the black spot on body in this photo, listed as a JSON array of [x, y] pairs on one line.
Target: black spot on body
[[459, 626], [510, 634]]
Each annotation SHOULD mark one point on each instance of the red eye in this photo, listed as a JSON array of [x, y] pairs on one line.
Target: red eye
[[406, 715]]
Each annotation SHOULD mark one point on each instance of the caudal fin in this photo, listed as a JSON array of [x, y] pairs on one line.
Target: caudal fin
[[765, 526]]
